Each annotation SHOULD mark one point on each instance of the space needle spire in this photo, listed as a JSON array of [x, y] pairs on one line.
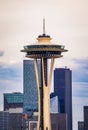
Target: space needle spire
[[43, 26]]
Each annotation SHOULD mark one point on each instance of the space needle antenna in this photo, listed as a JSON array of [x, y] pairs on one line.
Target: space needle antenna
[[44, 26]]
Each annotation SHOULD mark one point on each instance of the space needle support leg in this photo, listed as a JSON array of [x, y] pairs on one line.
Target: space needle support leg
[[38, 86], [44, 122], [46, 99], [51, 72], [43, 77]]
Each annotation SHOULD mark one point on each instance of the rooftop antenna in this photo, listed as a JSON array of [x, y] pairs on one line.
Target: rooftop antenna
[[43, 26]]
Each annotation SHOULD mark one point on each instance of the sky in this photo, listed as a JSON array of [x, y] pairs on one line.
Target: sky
[[66, 23]]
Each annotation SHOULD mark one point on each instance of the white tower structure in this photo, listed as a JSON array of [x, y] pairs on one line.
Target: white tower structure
[[44, 50]]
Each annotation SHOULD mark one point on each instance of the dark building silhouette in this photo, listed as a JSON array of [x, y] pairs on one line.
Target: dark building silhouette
[[85, 117], [80, 125], [63, 89]]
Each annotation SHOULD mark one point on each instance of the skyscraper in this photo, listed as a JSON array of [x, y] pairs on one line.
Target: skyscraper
[[63, 89], [30, 103], [85, 117]]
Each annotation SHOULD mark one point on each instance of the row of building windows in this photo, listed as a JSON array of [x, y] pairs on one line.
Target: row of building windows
[[14, 98], [46, 53], [44, 46]]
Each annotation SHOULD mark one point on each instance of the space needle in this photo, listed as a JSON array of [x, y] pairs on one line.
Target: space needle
[[44, 50]]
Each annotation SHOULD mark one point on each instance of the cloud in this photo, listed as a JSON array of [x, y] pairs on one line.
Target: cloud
[[80, 89], [1, 53], [10, 72], [81, 61], [80, 73]]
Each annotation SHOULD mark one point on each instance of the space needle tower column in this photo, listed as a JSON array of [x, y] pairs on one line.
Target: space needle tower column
[[44, 50]]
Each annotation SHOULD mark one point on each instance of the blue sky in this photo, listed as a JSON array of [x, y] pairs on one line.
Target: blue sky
[[66, 23]]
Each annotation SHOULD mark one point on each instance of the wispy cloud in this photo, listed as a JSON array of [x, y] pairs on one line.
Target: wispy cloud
[[80, 74], [10, 72], [81, 61], [80, 89]]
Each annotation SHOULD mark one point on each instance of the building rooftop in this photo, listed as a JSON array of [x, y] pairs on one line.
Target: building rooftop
[[14, 97]]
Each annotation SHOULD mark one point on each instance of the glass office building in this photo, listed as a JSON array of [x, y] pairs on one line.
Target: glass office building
[[30, 87], [63, 89], [30, 100]]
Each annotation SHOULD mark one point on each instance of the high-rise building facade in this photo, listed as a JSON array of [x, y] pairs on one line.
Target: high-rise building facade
[[10, 121], [29, 88], [63, 89], [30, 101], [4, 120], [85, 117], [15, 121]]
